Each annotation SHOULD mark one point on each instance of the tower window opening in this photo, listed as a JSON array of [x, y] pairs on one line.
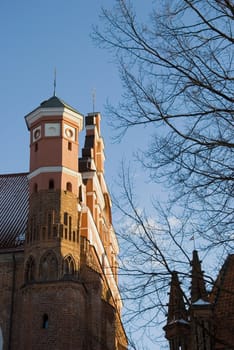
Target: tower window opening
[[65, 217], [35, 188], [54, 231], [70, 228], [45, 321], [69, 186], [51, 184], [69, 146], [36, 147]]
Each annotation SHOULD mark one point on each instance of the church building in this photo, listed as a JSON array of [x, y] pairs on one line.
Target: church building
[[205, 319], [58, 249]]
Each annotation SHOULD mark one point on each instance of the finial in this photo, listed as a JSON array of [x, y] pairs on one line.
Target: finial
[[94, 99], [55, 82]]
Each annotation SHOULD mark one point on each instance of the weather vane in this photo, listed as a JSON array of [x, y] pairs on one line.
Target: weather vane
[[55, 82], [94, 98]]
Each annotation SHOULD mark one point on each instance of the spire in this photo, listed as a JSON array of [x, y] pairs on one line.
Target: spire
[[176, 307], [198, 289]]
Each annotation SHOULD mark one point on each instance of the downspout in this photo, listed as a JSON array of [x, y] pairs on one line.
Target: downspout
[[12, 302]]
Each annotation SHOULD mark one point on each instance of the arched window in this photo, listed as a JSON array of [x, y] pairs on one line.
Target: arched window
[[45, 321], [30, 270], [51, 184], [49, 267], [69, 186], [68, 266]]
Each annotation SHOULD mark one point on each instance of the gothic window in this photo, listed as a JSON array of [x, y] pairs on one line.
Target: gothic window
[[68, 266], [49, 267], [30, 270], [45, 321]]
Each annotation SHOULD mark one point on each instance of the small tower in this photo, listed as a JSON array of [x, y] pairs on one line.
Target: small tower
[[200, 309], [52, 249], [69, 298], [177, 328], [54, 184]]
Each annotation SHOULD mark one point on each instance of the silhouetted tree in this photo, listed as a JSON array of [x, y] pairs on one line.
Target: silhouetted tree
[[178, 78]]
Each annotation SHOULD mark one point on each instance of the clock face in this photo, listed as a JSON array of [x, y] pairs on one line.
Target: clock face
[[69, 132], [36, 133]]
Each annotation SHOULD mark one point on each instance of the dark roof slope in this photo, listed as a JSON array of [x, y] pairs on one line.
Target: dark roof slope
[[14, 194], [54, 102]]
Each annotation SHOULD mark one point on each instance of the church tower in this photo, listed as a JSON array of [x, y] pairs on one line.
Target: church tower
[[70, 298]]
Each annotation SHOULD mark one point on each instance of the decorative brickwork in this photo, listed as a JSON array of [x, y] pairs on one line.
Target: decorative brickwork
[[59, 289]]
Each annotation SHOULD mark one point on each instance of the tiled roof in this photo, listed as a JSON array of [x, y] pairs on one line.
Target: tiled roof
[[14, 193]]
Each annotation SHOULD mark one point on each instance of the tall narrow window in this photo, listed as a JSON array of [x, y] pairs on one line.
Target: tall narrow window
[[36, 147], [70, 228], [68, 266], [30, 270], [65, 218], [49, 225], [45, 321], [51, 184], [35, 188], [69, 146], [69, 186]]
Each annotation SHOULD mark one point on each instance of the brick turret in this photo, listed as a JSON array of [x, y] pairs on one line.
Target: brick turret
[[177, 328], [70, 296]]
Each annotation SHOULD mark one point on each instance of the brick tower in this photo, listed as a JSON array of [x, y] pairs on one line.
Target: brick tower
[[69, 298]]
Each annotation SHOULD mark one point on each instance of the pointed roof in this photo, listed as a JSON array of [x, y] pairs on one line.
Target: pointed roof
[[55, 102], [176, 307], [198, 289], [53, 105]]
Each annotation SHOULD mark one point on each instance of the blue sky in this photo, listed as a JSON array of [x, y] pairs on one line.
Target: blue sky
[[36, 37]]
